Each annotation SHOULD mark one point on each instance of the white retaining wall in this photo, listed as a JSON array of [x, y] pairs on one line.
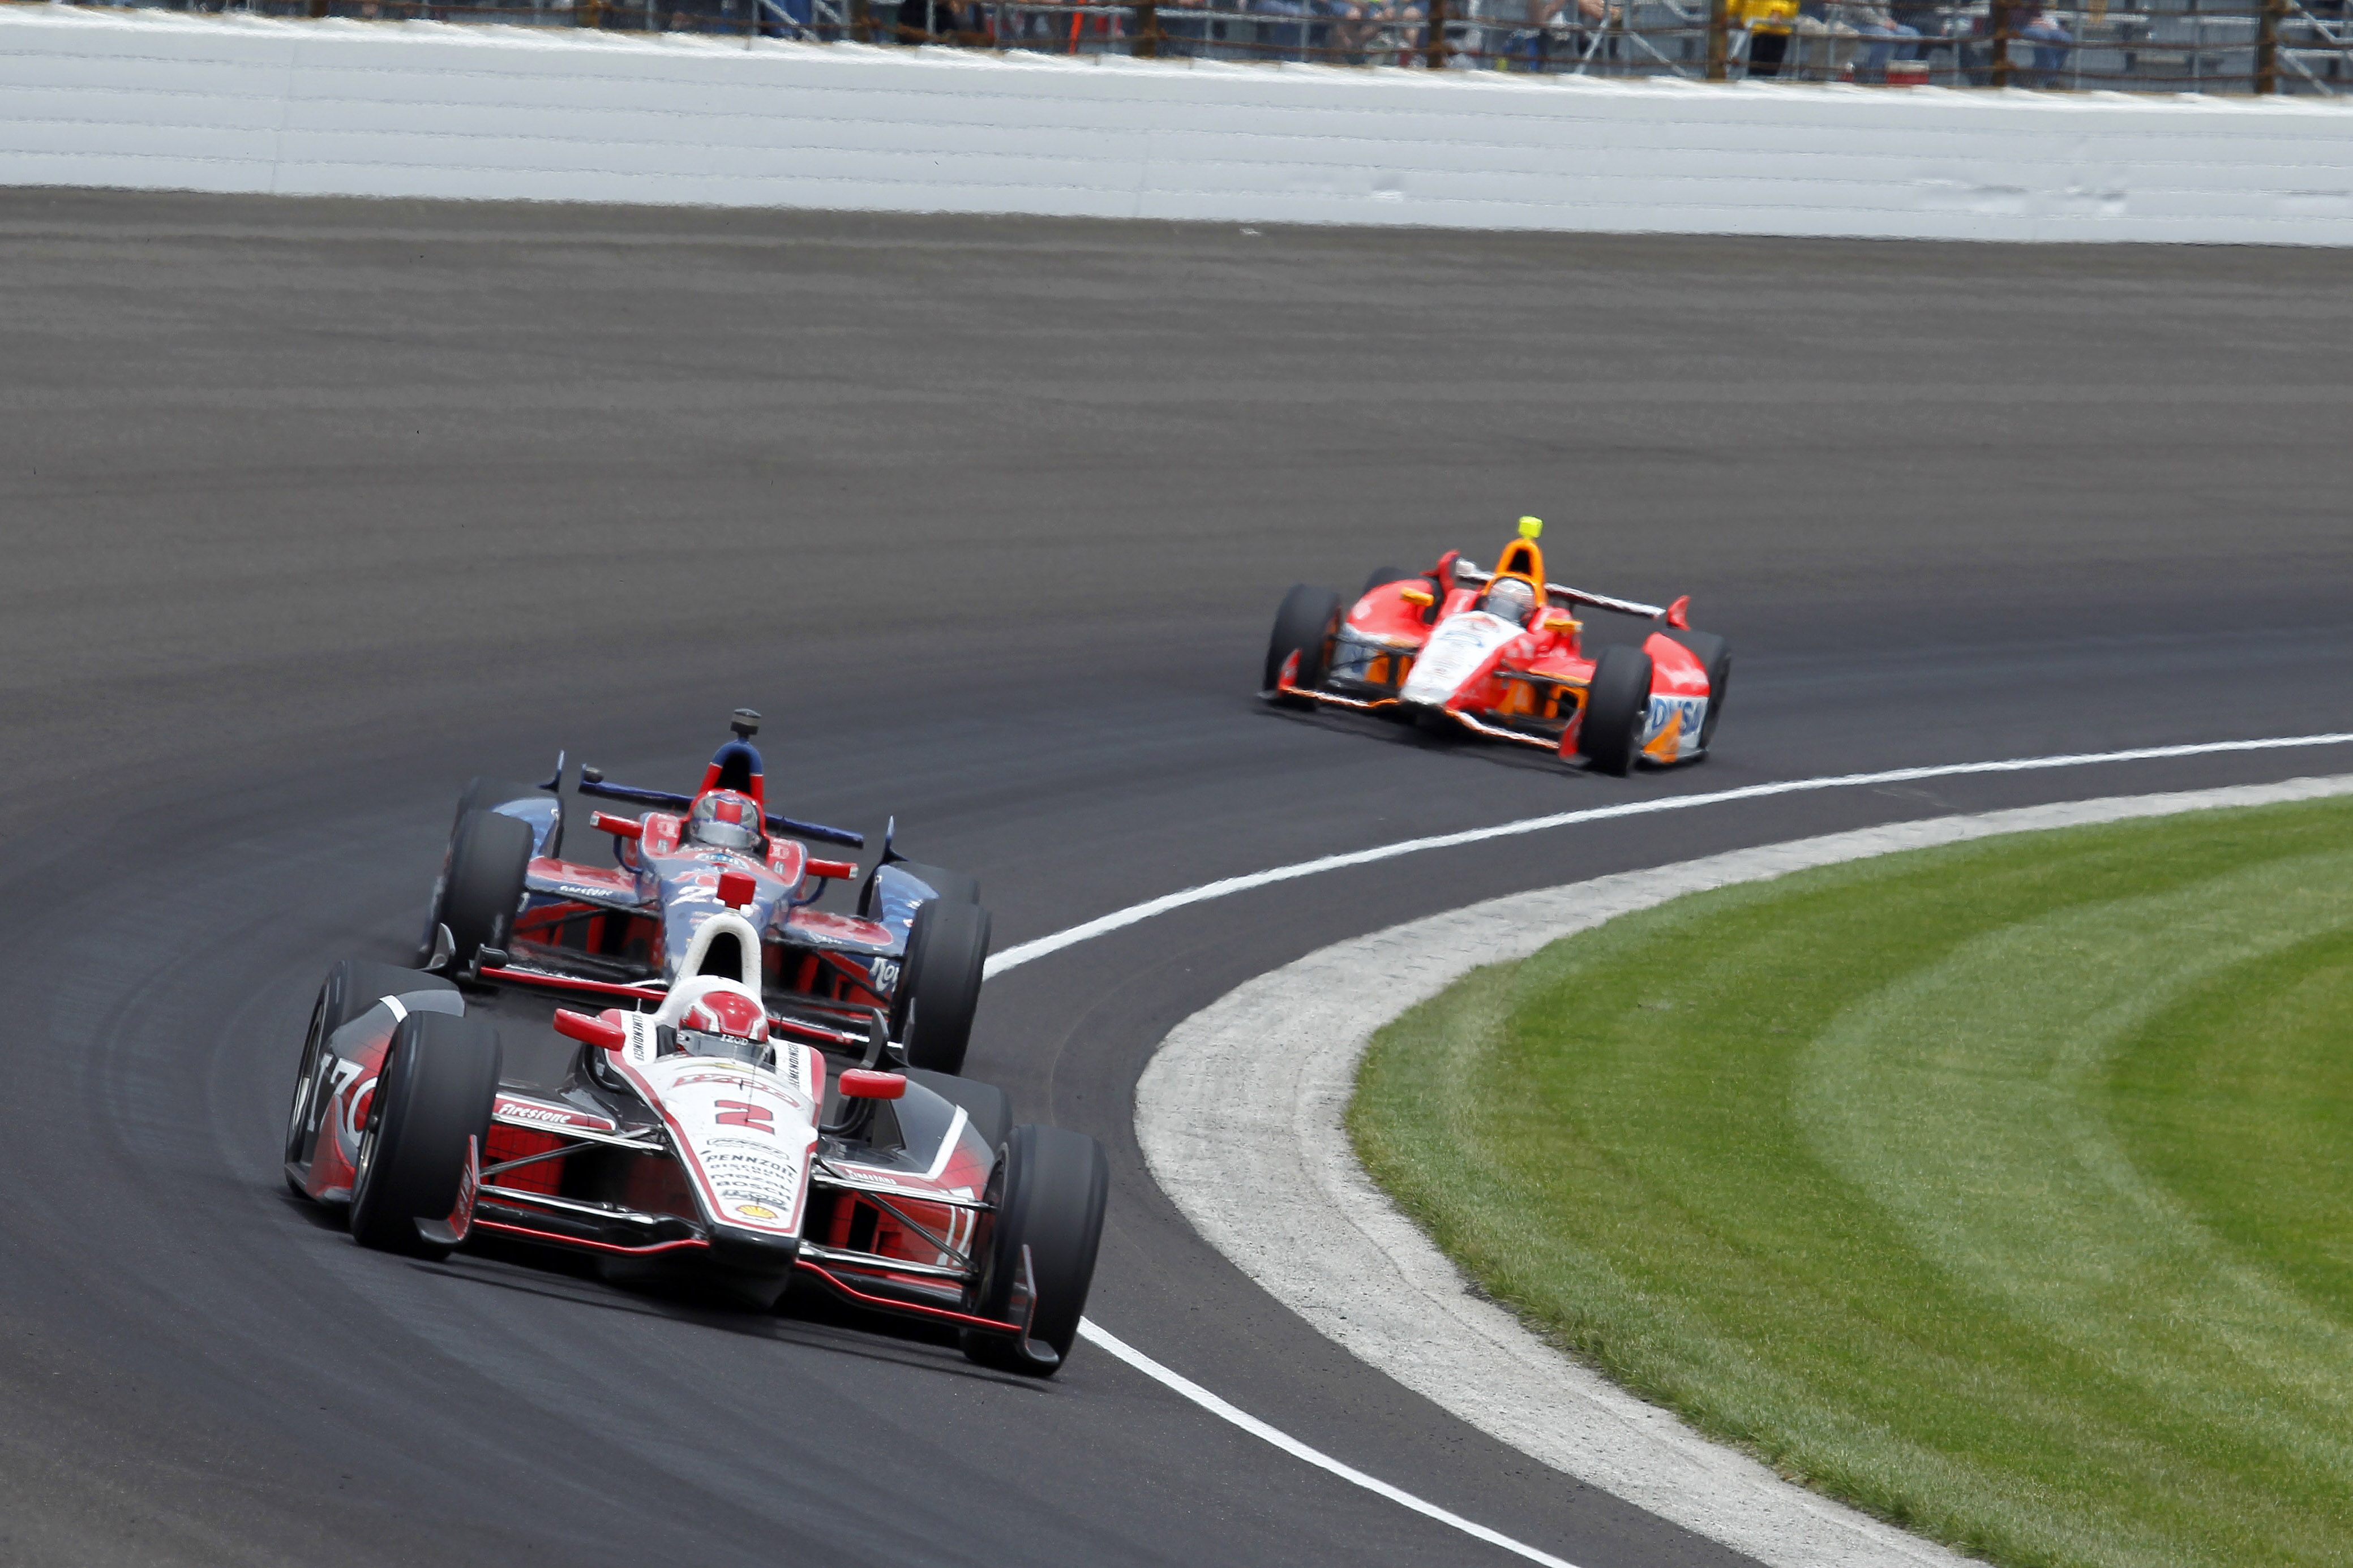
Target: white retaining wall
[[166, 102]]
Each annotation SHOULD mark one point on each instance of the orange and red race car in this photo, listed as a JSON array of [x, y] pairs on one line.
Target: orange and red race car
[[1502, 654]]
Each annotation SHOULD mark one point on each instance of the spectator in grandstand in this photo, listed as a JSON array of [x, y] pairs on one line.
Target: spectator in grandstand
[[1889, 38], [2031, 21], [2051, 42], [1559, 31], [1768, 23], [1346, 33]]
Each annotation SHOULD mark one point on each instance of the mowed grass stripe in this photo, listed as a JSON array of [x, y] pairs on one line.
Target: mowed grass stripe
[[2004, 1189]]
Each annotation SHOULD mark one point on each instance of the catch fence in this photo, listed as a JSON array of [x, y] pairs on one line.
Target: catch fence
[[2160, 46]]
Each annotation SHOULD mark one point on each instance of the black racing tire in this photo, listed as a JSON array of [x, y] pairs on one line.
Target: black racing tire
[[352, 986], [439, 1078], [484, 891], [480, 795], [1381, 574], [1714, 655], [939, 984], [1049, 1188], [488, 794], [953, 887], [1304, 626], [988, 1108], [1616, 704]]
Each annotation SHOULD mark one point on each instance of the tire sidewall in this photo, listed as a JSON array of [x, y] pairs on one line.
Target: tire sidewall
[[1051, 1184], [483, 892], [1305, 625], [1609, 734], [939, 987], [434, 1089]]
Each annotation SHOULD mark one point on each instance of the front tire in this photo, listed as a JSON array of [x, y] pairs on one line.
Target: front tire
[[439, 1079], [1610, 736], [480, 795], [1048, 1187], [1304, 625], [939, 984], [352, 986], [488, 861]]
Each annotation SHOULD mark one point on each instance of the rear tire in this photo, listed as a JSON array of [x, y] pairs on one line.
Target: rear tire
[[1304, 626], [1611, 734], [484, 893], [1714, 655], [988, 1107], [352, 986], [439, 1078], [939, 984], [1048, 1187]]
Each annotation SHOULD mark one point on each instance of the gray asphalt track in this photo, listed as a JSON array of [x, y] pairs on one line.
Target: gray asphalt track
[[312, 509]]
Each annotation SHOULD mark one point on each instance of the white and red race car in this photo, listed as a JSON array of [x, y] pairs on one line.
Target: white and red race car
[[716, 1134], [1502, 654]]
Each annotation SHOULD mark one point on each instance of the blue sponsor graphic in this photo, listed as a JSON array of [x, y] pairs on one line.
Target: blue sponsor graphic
[[1665, 709]]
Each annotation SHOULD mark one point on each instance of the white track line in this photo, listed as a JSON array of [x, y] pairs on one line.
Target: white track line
[[1014, 957], [1095, 1333]]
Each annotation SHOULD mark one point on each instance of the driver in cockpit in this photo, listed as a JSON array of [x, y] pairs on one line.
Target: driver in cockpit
[[724, 819], [1512, 599]]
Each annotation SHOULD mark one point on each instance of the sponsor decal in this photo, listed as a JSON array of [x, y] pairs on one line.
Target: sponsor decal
[[757, 1211], [734, 1080], [554, 1115], [738, 1114], [1667, 709], [1457, 649]]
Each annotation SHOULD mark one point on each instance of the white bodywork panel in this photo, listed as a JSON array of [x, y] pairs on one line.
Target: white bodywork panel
[[1456, 651], [745, 1134]]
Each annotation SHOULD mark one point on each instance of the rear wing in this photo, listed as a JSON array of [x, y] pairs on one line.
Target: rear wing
[[1674, 614], [593, 783]]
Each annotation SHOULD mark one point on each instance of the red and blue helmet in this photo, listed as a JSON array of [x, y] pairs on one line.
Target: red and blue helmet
[[725, 819]]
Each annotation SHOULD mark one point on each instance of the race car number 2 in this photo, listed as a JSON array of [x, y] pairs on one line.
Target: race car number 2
[[739, 1113]]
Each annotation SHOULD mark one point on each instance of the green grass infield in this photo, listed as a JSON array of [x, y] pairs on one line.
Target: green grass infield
[[2004, 1190]]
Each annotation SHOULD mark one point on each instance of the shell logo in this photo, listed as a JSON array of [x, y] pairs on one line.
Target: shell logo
[[753, 1211]]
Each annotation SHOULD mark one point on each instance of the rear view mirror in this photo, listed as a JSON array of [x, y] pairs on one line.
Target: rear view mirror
[[859, 1083], [591, 1031]]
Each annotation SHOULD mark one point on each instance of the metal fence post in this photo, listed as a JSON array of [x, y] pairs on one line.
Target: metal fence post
[[1437, 35], [1719, 40], [860, 27], [1147, 29], [2267, 46], [1997, 24]]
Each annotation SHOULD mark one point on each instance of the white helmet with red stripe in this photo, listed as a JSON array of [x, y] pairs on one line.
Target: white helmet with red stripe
[[728, 1013]]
